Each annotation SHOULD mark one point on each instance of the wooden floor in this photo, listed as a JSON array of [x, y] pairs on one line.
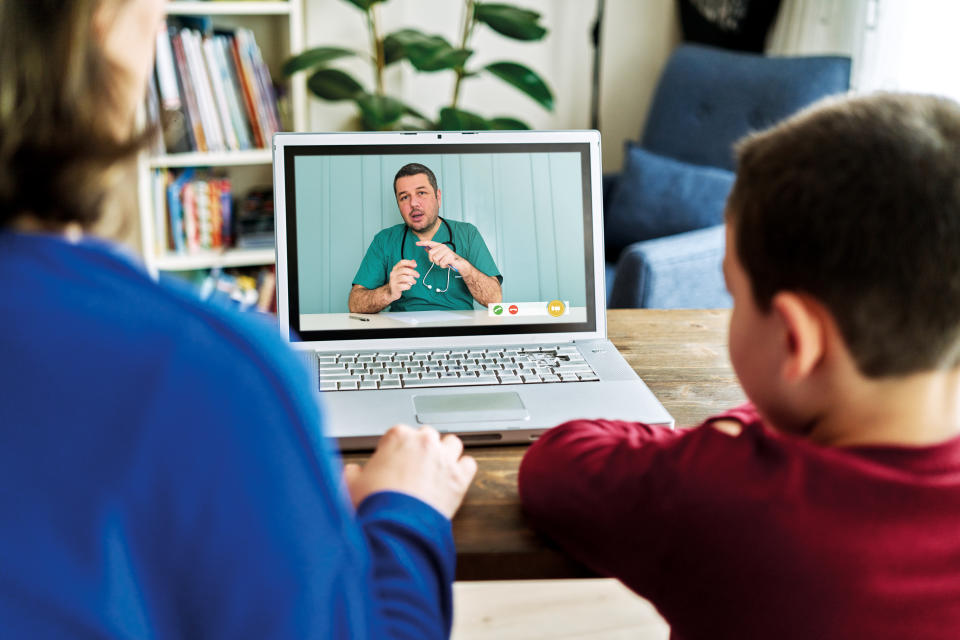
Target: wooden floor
[[561, 609]]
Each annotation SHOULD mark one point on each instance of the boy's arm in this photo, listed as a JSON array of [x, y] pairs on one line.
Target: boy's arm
[[604, 490]]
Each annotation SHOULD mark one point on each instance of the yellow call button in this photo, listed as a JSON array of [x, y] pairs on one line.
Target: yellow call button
[[556, 308]]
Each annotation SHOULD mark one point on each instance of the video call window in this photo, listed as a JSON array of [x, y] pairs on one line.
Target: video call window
[[516, 216]]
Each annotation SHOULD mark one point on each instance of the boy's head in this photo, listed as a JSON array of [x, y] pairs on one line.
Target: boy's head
[[852, 207]]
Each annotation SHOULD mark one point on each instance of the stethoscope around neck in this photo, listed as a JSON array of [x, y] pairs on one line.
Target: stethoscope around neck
[[450, 242]]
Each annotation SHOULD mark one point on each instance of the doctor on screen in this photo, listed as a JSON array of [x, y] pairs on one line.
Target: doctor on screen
[[426, 262]]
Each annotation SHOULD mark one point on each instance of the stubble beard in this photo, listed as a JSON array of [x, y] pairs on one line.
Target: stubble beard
[[426, 225]]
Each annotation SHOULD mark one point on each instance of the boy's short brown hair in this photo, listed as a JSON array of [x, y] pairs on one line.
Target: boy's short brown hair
[[856, 202]]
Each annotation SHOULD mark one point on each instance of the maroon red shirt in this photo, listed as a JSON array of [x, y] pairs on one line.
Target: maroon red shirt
[[763, 535]]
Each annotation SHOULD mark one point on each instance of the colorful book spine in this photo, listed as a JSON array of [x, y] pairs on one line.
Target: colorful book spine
[[193, 107], [232, 91], [213, 90], [219, 93], [201, 83], [191, 219], [249, 97], [177, 136], [175, 209], [268, 101], [199, 211], [226, 210]]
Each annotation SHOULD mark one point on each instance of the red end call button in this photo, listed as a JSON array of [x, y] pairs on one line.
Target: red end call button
[[513, 309]]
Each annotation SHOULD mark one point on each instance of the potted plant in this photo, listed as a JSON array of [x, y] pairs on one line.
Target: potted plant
[[426, 53]]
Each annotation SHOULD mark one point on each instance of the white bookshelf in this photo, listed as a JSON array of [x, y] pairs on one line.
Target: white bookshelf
[[279, 30], [206, 159], [266, 8], [211, 259]]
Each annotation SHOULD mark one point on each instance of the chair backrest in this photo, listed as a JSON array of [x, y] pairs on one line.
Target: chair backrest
[[708, 98]]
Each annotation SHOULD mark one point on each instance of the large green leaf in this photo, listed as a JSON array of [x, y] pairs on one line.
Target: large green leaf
[[364, 5], [459, 120], [313, 57], [509, 124], [525, 79], [425, 52], [510, 21], [452, 59], [380, 112], [333, 84], [392, 50]]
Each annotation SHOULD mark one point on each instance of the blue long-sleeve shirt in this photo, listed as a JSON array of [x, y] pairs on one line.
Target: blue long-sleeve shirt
[[163, 473]]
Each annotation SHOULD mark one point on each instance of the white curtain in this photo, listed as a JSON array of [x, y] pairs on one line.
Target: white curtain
[[813, 27], [903, 45]]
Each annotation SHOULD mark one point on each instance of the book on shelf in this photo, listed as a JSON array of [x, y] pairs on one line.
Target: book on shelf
[[254, 226], [157, 145], [175, 183], [214, 90], [198, 141], [172, 113], [194, 211]]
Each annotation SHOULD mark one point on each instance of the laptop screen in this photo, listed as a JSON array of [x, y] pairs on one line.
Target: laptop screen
[[515, 218]]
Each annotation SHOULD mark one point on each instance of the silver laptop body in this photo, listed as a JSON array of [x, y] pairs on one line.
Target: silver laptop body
[[503, 373]]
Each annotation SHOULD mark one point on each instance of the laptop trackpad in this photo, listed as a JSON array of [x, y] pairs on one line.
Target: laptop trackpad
[[469, 407]]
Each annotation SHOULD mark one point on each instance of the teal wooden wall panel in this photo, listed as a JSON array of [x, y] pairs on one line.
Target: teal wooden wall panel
[[344, 204], [565, 187], [311, 176], [516, 229], [547, 235]]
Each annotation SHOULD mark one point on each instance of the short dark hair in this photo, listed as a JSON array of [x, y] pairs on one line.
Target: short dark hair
[[856, 202], [415, 169]]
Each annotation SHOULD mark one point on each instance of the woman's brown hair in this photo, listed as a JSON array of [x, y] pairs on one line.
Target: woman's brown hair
[[59, 146]]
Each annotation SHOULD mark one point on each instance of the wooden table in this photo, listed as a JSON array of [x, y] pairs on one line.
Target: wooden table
[[680, 354]]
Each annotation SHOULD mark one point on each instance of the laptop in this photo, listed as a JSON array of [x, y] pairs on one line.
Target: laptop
[[497, 351]]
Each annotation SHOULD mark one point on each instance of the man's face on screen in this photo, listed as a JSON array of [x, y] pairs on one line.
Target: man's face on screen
[[418, 202]]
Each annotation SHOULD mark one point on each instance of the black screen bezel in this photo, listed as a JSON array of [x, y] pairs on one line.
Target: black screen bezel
[[291, 152]]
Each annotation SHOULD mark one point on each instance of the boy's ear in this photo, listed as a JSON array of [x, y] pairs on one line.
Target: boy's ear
[[805, 333]]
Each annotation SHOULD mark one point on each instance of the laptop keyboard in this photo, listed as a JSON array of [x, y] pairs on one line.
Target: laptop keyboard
[[456, 367]]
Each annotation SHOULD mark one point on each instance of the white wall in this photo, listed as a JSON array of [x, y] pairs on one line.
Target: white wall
[[638, 36], [899, 45], [912, 45]]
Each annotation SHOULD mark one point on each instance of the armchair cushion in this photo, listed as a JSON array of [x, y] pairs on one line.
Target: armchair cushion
[[707, 98], [656, 196], [679, 272]]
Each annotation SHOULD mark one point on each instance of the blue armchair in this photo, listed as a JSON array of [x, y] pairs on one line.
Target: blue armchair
[[663, 214]]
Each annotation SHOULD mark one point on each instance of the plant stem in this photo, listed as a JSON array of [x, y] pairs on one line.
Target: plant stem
[[377, 44], [468, 23]]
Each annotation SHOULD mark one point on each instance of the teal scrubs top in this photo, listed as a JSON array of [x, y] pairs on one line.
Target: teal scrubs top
[[384, 252]]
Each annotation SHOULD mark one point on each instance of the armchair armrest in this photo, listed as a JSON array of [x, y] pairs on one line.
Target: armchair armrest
[[682, 271]]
